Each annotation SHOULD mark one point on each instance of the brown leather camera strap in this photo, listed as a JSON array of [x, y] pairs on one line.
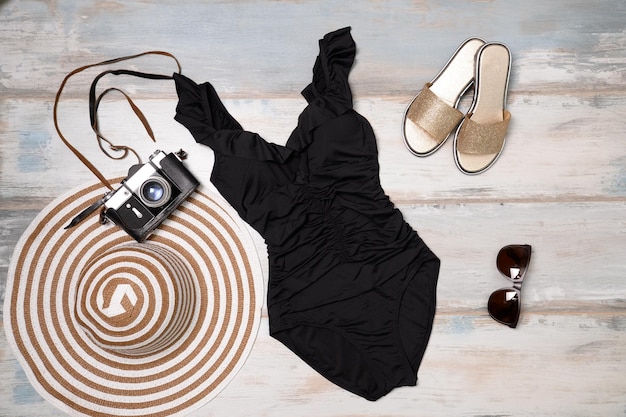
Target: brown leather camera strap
[[95, 102]]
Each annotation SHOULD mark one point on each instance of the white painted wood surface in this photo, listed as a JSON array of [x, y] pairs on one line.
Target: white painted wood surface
[[560, 184]]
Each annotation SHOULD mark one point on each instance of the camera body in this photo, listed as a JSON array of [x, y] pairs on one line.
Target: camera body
[[149, 194]]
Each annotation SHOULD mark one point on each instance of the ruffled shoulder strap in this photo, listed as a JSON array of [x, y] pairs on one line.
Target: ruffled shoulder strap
[[329, 95], [331, 70]]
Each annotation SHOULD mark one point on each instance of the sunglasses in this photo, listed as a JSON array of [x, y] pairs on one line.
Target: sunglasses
[[504, 305]]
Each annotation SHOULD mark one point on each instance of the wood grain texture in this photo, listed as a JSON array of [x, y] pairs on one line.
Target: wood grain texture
[[560, 184]]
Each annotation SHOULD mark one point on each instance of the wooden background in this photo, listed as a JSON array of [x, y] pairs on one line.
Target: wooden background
[[560, 184]]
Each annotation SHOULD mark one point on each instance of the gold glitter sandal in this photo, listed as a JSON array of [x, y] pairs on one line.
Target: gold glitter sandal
[[480, 138], [432, 115]]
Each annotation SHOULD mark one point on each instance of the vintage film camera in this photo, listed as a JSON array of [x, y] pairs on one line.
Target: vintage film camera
[[147, 196]]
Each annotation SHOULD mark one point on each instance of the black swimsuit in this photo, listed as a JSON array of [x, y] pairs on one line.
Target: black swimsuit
[[352, 286]]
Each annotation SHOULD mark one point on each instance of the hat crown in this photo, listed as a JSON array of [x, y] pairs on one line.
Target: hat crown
[[135, 299]]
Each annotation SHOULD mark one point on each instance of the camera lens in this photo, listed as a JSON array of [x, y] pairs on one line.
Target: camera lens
[[155, 192]]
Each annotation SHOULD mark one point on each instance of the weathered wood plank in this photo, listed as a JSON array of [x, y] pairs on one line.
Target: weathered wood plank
[[577, 252], [558, 47], [558, 148]]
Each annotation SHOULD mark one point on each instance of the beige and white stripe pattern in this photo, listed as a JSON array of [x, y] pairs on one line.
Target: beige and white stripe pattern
[[106, 326]]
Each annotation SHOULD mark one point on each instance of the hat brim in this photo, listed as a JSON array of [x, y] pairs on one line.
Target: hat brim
[[47, 300]]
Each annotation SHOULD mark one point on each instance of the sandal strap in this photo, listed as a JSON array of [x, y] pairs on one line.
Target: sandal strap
[[482, 139], [433, 115]]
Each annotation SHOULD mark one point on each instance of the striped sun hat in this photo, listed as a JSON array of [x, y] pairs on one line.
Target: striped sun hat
[[106, 326]]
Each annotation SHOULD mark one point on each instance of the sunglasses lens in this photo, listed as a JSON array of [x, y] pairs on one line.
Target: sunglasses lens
[[504, 306], [513, 260]]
